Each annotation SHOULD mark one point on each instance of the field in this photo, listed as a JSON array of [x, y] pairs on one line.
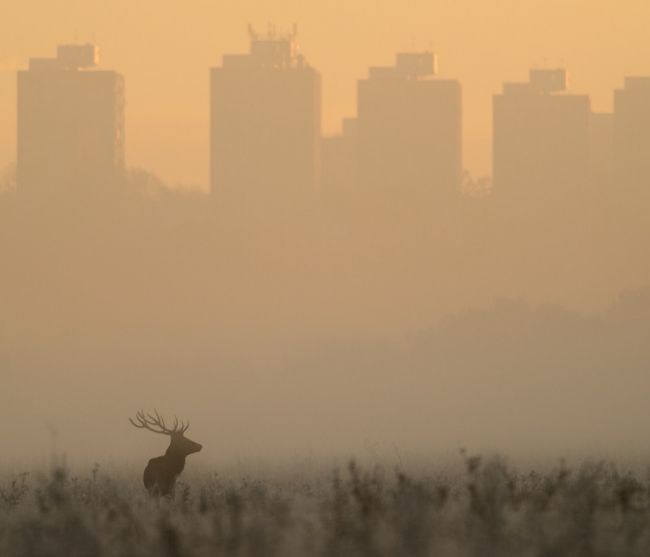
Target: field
[[485, 509]]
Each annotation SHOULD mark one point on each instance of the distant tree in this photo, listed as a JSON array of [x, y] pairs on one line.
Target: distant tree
[[476, 187], [142, 182], [147, 184]]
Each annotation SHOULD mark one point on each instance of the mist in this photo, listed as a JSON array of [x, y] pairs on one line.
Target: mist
[[339, 245], [316, 330]]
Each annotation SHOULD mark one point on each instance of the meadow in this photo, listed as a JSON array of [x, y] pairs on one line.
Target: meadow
[[486, 509]]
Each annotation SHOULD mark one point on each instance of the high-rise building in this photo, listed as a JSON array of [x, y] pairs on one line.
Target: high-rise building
[[265, 121], [541, 139], [409, 129], [70, 126], [632, 137]]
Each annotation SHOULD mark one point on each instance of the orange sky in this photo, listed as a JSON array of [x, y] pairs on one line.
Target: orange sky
[[165, 48]]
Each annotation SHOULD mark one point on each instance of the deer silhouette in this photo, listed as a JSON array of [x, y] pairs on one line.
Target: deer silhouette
[[161, 472]]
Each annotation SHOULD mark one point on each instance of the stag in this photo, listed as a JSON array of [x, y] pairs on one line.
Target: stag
[[160, 474]]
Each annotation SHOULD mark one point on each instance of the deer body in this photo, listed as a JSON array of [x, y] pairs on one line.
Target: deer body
[[161, 472]]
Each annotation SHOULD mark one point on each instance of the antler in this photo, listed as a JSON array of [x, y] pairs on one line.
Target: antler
[[156, 423]]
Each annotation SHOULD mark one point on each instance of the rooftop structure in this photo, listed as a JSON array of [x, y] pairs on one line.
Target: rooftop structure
[[272, 50], [69, 57], [540, 82], [408, 65]]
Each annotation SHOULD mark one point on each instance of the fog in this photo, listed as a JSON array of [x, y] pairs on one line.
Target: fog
[[391, 233], [321, 329]]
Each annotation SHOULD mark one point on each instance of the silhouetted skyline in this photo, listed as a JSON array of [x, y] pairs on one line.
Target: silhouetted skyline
[[265, 114], [479, 44]]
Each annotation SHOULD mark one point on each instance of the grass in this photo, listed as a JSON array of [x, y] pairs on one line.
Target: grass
[[487, 510]]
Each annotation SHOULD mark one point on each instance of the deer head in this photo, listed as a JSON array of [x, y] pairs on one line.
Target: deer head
[[179, 444]]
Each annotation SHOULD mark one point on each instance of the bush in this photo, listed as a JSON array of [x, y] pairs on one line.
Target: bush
[[488, 510]]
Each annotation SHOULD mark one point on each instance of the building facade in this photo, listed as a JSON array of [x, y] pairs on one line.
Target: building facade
[[265, 130], [409, 129], [632, 137], [70, 126], [541, 139]]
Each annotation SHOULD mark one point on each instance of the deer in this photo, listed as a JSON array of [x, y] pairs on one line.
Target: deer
[[161, 472]]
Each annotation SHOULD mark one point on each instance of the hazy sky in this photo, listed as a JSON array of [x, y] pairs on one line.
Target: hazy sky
[[165, 48]]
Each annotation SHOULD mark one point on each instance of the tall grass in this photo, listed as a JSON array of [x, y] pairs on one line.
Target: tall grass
[[488, 510]]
